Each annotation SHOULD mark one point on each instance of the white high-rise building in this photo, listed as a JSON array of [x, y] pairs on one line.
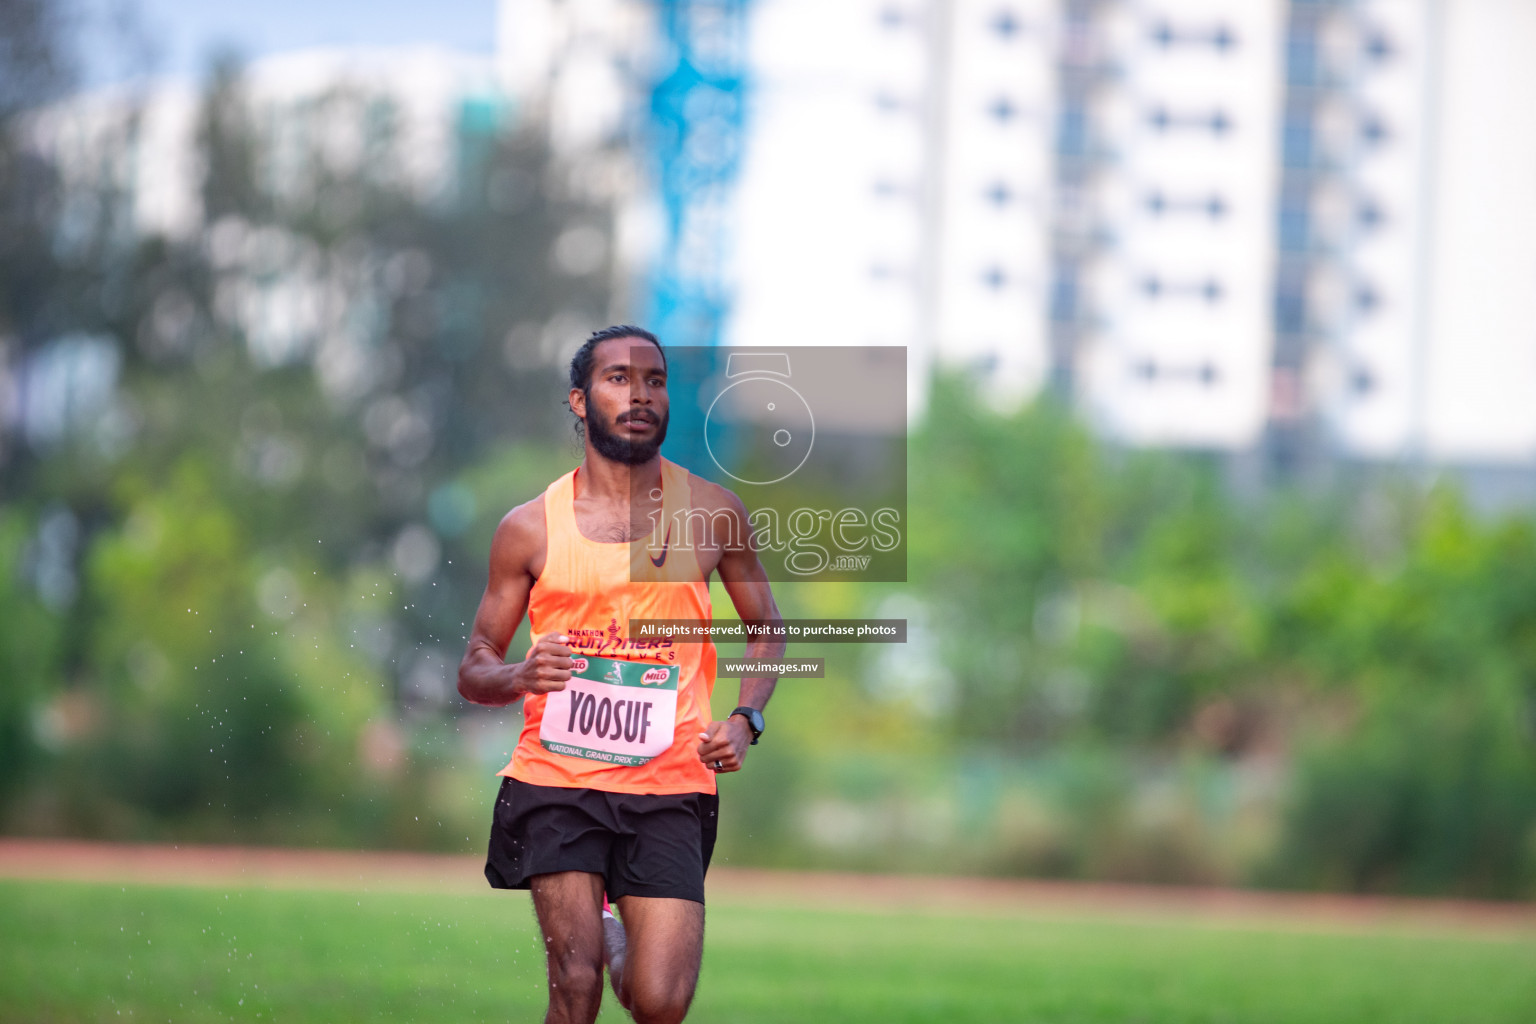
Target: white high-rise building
[[1041, 193], [1182, 132], [1209, 224], [1479, 388], [1353, 248], [994, 197], [307, 105], [831, 201], [395, 115], [1406, 292], [896, 183]]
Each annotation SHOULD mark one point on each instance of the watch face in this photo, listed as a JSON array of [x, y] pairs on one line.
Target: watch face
[[759, 430]]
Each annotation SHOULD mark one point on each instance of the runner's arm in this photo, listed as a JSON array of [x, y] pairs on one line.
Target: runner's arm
[[746, 581], [484, 675]]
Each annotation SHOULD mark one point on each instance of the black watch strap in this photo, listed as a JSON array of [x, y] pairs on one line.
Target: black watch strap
[[754, 719]]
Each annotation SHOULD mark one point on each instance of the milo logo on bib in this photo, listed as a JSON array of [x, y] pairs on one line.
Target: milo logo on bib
[[618, 712]]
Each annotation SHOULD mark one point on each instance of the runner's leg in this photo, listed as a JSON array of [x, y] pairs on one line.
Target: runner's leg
[[614, 949], [567, 904], [665, 943]]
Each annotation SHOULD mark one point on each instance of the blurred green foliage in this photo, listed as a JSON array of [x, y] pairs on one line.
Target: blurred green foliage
[[233, 589], [1131, 620], [233, 582], [29, 659], [1125, 665], [1427, 781]]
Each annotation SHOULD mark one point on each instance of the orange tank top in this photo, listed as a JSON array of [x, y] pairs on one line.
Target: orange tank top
[[587, 591]]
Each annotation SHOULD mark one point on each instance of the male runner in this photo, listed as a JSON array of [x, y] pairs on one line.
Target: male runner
[[610, 788]]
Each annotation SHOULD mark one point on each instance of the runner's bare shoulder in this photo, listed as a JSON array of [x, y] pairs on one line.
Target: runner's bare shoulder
[[713, 500], [521, 539]]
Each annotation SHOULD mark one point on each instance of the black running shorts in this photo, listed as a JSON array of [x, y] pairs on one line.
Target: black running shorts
[[642, 845]]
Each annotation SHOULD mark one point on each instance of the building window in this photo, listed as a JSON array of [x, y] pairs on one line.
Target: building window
[[1157, 204], [1295, 224], [1296, 138], [1219, 38], [1218, 121], [1291, 281], [1064, 295], [1301, 56], [1003, 110], [995, 278], [1072, 139], [1206, 373], [999, 194], [1211, 290], [1373, 130], [1006, 25], [1290, 308]]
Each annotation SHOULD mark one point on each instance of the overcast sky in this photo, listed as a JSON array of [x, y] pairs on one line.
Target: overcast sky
[[184, 32]]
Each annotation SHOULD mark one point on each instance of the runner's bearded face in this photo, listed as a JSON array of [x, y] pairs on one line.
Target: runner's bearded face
[[627, 408]]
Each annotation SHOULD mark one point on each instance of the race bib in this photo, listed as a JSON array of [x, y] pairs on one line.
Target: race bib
[[618, 712]]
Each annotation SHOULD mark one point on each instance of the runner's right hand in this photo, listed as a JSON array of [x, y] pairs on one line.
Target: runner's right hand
[[548, 665]]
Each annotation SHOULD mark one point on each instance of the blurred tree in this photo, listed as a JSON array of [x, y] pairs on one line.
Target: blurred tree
[[1017, 502], [29, 658], [1098, 599], [1112, 599], [35, 66], [35, 63], [1424, 778], [306, 383]]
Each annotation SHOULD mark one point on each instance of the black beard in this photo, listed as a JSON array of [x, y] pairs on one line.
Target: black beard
[[621, 450]]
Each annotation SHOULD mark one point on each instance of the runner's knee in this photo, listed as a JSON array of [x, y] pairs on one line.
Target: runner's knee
[[652, 1003], [575, 977]]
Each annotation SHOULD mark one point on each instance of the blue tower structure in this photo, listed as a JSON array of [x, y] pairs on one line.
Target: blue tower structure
[[693, 135]]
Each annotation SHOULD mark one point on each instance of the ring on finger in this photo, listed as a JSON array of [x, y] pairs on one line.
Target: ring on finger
[[719, 766]]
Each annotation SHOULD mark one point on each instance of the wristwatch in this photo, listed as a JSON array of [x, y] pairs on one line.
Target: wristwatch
[[754, 719]]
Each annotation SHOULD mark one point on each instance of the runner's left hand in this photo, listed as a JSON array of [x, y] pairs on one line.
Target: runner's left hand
[[725, 742]]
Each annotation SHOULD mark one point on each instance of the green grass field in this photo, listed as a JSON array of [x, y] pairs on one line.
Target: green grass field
[[78, 952]]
